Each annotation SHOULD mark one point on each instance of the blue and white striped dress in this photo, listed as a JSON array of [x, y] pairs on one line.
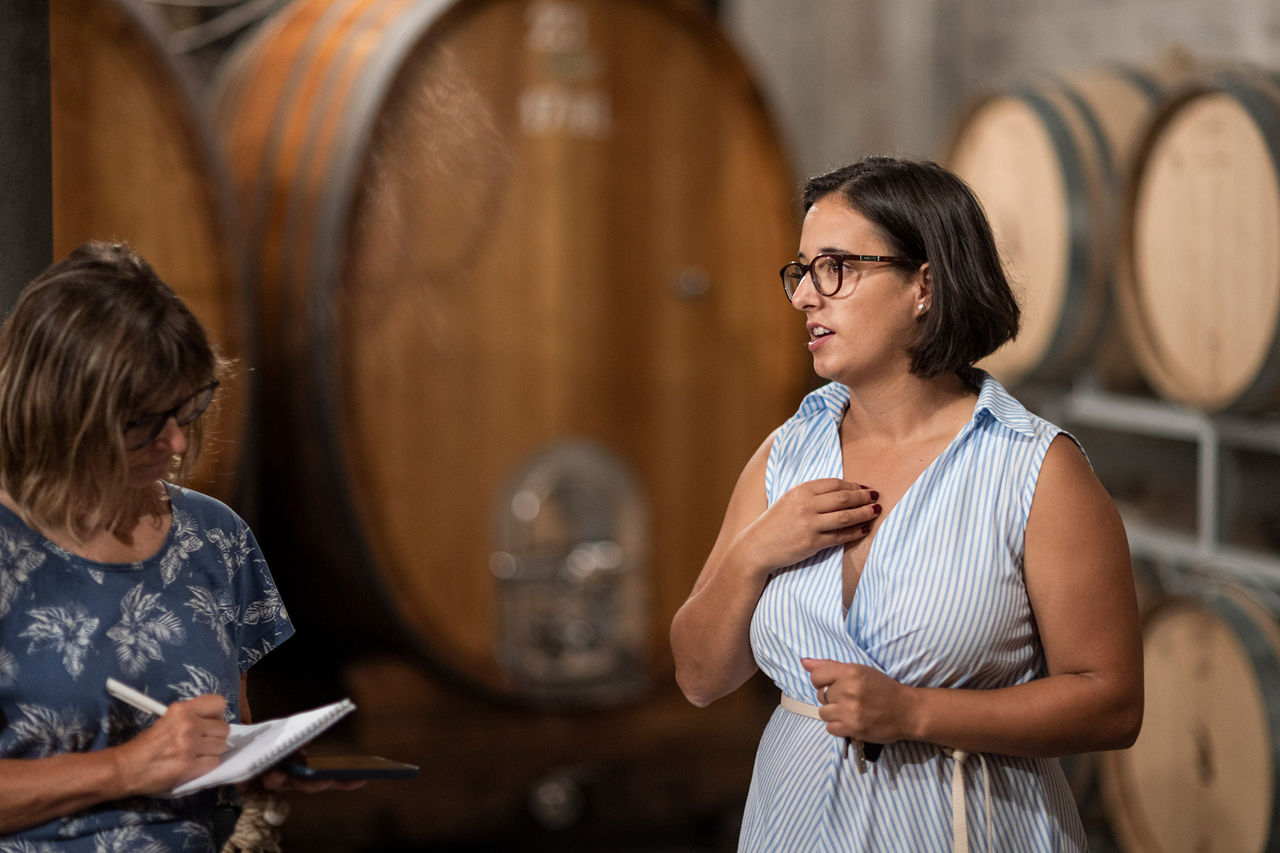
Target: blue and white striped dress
[[940, 603]]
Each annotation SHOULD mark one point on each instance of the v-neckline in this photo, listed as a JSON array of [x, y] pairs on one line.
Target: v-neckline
[[884, 520]]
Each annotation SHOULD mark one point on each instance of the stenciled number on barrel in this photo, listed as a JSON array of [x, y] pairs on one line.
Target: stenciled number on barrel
[[567, 99]]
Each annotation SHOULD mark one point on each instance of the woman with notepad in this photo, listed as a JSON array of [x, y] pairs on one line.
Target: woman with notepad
[[109, 569]]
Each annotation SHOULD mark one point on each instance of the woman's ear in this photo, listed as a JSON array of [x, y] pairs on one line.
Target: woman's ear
[[923, 283]]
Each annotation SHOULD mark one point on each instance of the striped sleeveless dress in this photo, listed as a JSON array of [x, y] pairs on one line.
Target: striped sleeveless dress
[[941, 603]]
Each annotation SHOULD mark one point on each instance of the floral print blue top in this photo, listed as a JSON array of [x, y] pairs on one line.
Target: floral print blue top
[[187, 621]]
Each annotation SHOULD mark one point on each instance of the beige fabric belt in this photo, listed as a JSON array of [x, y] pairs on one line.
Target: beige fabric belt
[[959, 814], [795, 706]]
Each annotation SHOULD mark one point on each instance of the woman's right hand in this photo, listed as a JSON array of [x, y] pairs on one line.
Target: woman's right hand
[[809, 518], [710, 633], [187, 741]]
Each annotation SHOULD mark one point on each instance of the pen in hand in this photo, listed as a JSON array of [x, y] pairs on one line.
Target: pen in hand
[[136, 698]]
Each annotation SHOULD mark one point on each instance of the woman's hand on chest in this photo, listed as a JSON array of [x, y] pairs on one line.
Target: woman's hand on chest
[[808, 518]]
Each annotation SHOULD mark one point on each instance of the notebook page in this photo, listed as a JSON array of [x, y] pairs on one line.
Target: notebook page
[[252, 749]]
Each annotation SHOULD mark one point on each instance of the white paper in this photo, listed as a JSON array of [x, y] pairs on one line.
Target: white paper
[[253, 749]]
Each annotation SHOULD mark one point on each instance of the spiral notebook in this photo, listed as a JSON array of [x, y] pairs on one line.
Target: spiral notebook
[[256, 748]]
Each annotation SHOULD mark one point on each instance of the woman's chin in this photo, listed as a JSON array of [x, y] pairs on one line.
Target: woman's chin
[[142, 476]]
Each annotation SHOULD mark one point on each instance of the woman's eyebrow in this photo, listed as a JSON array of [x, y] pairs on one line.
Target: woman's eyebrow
[[826, 250]]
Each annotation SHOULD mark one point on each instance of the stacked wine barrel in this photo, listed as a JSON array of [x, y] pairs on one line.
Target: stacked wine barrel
[[1138, 209], [1205, 772], [480, 229]]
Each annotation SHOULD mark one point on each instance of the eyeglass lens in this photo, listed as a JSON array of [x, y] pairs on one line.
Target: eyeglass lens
[[827, 273], [141, 432]]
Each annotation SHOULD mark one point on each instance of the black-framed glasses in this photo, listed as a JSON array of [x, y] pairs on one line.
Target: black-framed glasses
[[827, 271], [140, 432]]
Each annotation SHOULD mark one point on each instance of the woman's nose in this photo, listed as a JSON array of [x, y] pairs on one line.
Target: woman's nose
[[174, 436], [805, 294]]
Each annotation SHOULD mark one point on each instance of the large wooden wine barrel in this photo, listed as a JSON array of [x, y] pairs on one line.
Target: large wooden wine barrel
[[133, 160], [522, 324], [1200, 283], [1048, 159], [1202, 775]]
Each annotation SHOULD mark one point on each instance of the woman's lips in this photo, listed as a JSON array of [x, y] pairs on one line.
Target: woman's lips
[[818, 333]]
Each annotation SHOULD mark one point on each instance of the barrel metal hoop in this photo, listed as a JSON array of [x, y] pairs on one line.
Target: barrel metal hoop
[[1080, 224]]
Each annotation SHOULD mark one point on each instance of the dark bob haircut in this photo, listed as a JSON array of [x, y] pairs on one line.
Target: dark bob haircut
[[928, 213]]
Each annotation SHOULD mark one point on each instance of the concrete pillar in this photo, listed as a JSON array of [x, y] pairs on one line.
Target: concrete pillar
[[26, 206]]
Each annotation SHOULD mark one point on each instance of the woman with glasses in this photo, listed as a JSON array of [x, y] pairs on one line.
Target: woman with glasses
[[110, 570], [932, 576]]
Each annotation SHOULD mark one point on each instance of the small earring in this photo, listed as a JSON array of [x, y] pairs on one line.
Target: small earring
[[920, 307]]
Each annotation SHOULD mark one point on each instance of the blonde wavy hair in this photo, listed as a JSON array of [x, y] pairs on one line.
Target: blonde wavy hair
[[92, 342]]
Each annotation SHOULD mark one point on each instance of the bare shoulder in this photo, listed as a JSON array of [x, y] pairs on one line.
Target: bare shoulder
[[749, 492], [1066, 472], [1070, 501], [759, 460], [746, 503]]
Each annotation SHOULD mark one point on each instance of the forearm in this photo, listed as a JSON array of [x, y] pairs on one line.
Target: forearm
[[710, 634], [35, 791], [189, 739], [1059, 715]]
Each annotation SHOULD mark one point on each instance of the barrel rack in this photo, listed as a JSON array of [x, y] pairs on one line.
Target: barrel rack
[[1172, 551]]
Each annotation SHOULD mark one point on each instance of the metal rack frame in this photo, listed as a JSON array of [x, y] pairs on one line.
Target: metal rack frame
[[1205, 550]]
